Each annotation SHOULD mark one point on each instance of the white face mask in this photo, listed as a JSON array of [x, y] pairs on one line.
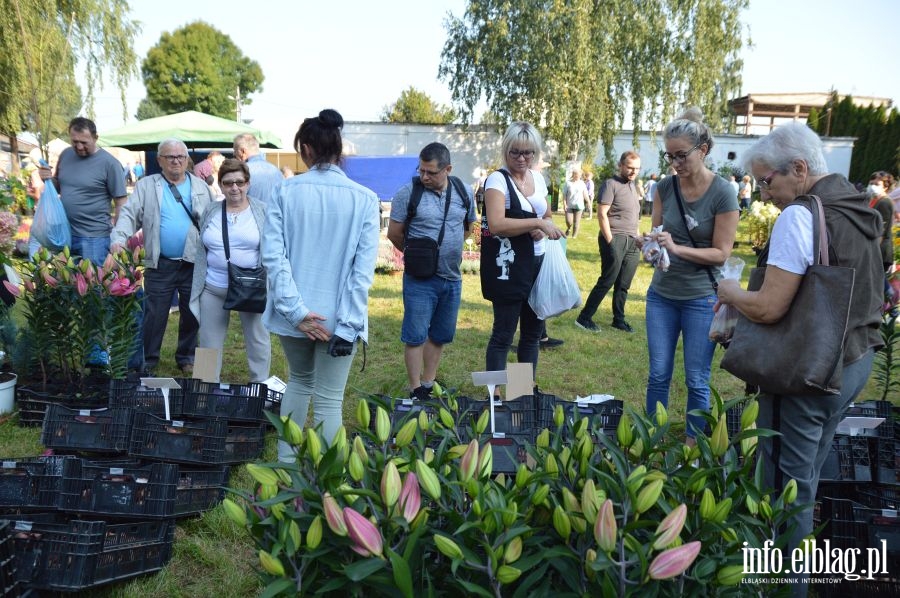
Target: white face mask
[[876, 190]]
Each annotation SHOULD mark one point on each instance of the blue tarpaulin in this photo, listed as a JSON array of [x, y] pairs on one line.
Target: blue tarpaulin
[[382, 174]]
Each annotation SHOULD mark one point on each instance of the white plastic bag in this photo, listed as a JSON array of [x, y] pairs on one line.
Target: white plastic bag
[[726, 318], [51, 225], [653, 253], [555, 290]]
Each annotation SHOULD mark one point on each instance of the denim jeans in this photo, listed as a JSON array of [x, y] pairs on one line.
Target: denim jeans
[[667, 319], [315, 376], [92, 248], [430, 308]]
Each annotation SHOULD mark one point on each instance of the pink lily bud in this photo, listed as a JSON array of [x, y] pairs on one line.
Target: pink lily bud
[[674, 561], [469, 461], [29, 285], [333, 515], [410, 497], [670, 527], [81, 285], [606, 529], [109, 263], [13, 289], [363, 532], [390, 484]]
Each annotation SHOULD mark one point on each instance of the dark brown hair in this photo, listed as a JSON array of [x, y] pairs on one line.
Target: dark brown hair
[[233, 165]]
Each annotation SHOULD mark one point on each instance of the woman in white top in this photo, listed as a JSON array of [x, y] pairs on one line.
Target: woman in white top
[[521, 148], [576, 195]]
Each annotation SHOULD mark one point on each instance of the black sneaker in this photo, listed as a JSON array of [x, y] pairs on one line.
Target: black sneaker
[[587, 324], [623, 326], [550, 343], [420, 393]]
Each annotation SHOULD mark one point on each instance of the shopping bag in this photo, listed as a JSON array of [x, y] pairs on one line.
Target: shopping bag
[[555, 290], [51, 225]]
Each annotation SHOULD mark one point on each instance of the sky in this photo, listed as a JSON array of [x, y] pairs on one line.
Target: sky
[[357, 56]]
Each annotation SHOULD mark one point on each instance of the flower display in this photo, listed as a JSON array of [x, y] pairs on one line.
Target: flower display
[[760, 219]]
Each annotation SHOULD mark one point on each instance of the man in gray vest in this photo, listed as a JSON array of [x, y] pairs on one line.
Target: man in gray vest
[[439, 207]]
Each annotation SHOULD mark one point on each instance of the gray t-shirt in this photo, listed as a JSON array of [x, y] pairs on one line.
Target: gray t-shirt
[[624, 206], [87, 187], [427, 223], [689, 280]]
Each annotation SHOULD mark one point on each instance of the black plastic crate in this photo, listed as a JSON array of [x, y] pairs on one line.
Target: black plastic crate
[[235, 402], [131, 393], [244, 442], [31, 411], [32, 403], [181, 441], [515, 416], [94, 430], [875, 409], [111, 488], [848, 460], [9, 584], [604, 416], [853, 525], [878, 496], [199, 489], [56, 553], [885, 453], [31, 483]]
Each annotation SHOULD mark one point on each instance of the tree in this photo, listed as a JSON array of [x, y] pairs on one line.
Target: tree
[[574, 68], [42, 42], [414, 106], [148, 109], [199, 68]]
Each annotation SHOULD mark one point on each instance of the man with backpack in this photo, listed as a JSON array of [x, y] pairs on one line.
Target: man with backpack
[[431, 216]]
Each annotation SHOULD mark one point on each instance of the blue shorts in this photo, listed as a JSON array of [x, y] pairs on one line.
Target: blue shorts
[[430, 307]]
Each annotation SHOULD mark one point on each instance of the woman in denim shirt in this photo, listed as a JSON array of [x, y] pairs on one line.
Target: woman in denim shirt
[[319, 249]]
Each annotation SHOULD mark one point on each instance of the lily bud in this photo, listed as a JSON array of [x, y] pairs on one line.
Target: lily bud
[[540, 495], [428, 479], [271, 565], [570, 502], [360, 449], [410, 497], [662, 416], [748, 417], [765, 510], [648, 496], [581, 428], [730, 575], [674, 562], [748, 446], [423, 421], [263, 475], [605, 528], [296, 538], [333, 515], [589, 557], [559, 418], [670, 527], [513, 550], [482, 422], [522, 476], [550, 466], [313, 445], [457, 451], [382, 425], [436, 389], [722, 510], [314, 533], [447, 547], [718, 443], [446, 418], [790, 492], [363, 533], [707, 505], [428, 456], [561, 522], [390, 484], [637, 448], [356, 468], [235, 512], [486, 461], [293, 433], [543, 439], [590, 502], [363, 415], [510, 514], [267, 491], [340, 442], [406, 433], [624, 433], [507, 574], [469, 462], [420, 519], [635, 479]]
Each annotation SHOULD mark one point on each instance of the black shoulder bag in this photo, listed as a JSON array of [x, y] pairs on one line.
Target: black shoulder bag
[[507, 263], [246, 286], [420, 254]]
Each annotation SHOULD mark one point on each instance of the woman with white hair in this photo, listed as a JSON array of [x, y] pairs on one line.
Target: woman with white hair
[[788, 164]]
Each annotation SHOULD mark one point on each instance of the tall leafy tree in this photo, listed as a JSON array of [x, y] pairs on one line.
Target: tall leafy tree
[[42, 43], [415, 106], [148, 109], [576, 68], [199, 68]]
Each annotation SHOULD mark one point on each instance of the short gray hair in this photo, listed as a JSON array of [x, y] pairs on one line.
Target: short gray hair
[[247, 141], [521, 133], [785, 144], [689, 124], [171, 141]]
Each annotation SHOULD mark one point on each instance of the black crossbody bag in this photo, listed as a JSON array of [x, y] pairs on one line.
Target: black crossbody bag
[[246, 286], [420, 254]]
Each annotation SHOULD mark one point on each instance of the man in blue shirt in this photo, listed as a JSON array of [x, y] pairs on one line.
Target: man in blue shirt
[[168, 207], [264, 176]]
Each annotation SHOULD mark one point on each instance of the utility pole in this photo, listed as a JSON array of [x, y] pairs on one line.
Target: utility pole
[[237, 103]]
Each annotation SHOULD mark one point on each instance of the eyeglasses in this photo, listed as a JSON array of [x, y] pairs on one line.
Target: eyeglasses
[[423, 172], [680, 156], [174, 158], [234, 183], [516, 154], [766, 180]]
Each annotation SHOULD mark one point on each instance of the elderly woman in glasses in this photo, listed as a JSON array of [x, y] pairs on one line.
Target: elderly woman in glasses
[[699, 215], [789, 163], [245, 218], [521, 147]]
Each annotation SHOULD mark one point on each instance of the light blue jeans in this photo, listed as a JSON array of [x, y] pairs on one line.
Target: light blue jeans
[[313, 375], [667, 319], [92, 248]]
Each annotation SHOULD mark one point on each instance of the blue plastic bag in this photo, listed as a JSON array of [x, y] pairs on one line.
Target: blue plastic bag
[[51, 225]]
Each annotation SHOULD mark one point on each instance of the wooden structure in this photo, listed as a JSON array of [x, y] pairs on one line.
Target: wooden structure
[[761, 112]]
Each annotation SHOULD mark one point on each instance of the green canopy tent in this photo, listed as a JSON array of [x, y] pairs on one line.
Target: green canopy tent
[[196, 129]]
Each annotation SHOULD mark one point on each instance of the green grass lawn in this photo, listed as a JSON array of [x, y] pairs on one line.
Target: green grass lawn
[[214, 558]]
